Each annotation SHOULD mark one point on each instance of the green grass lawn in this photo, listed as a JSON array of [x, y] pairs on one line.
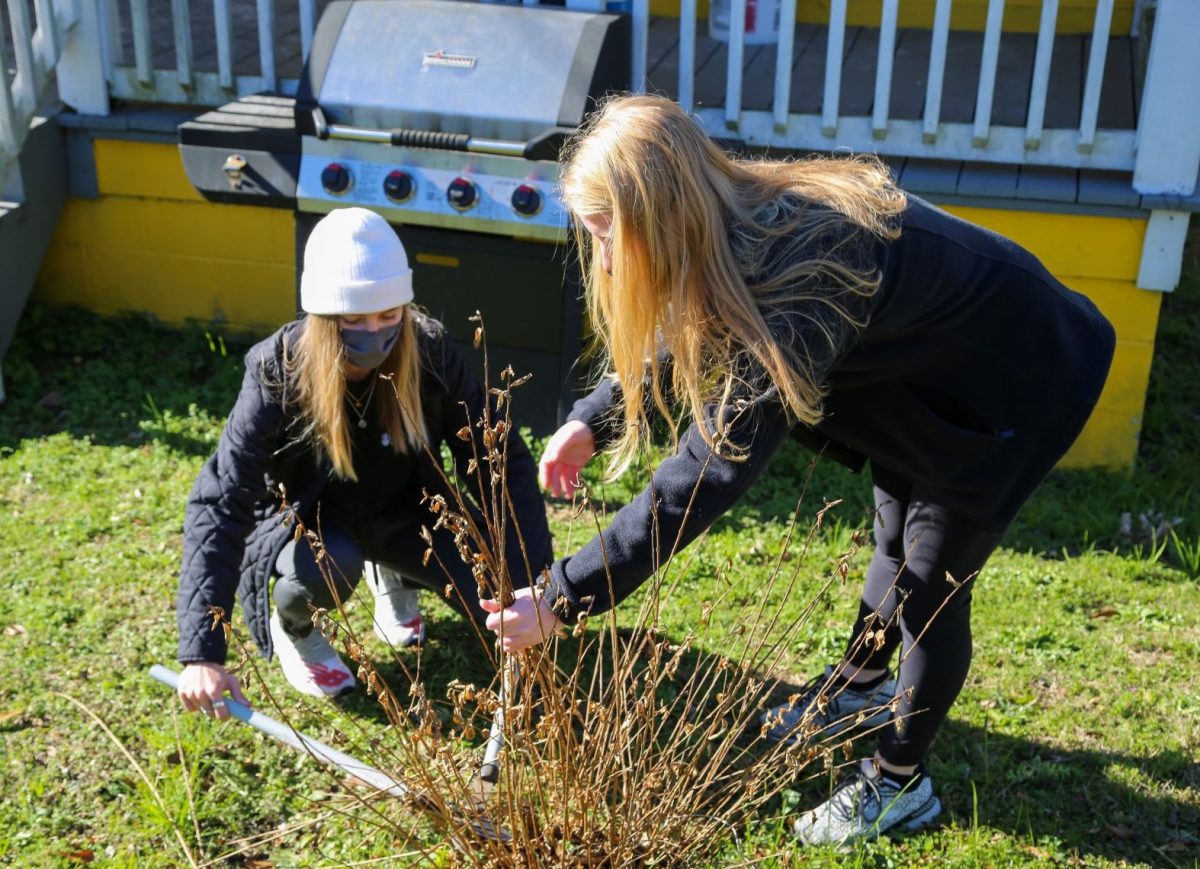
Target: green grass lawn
[[1076, 740]]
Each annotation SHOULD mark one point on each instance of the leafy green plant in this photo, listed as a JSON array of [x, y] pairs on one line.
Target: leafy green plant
[[1186, 555]]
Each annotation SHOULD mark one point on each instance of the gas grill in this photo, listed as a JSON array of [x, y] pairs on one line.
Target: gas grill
[[446, 118]]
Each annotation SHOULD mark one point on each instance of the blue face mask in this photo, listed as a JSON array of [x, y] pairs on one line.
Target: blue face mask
[[368, 349]]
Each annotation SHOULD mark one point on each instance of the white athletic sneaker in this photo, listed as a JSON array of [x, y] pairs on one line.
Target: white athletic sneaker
[[398, 620], [821, 710], [310, 663], [867, 805]]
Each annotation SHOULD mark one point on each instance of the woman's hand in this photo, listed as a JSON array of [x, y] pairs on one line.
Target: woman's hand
[[526, 623], [568, 450], [202, 687]]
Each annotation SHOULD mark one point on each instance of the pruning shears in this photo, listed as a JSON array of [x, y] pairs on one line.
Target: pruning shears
[[369, 775]]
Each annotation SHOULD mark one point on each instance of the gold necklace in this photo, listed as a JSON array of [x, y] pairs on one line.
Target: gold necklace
[[360, 405]]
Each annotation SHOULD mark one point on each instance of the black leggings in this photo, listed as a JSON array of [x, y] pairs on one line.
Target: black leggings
[[907, 595], [391, 541]]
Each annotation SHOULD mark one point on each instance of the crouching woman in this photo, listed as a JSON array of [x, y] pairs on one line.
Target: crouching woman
[[344, 412]]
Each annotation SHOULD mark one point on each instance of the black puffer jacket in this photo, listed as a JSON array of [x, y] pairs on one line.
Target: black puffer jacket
[[233, 527], [975, 372]]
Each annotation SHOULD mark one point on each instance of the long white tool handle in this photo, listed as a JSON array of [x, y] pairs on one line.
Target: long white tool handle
[[290, 736], [490, 770]]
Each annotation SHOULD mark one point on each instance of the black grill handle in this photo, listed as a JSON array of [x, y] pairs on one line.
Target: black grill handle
[[430, 139]]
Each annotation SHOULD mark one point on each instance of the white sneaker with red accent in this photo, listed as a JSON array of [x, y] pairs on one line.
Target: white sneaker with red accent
[[310, 663], [398, 620]]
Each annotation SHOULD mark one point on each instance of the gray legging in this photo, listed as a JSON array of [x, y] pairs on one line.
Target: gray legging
[[918, 542], [390, 541]]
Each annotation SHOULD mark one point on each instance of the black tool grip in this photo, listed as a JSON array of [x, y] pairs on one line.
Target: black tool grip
[[430, 139]]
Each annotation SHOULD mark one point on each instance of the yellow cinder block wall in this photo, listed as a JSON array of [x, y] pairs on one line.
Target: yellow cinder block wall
[[1020, 16], [150, 243]]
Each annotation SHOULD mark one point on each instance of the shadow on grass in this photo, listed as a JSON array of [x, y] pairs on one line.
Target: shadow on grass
[[1094, 803], [1074, 796], [118, 381]]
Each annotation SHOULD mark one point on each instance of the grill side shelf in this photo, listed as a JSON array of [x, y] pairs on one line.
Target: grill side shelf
[[245, 152]]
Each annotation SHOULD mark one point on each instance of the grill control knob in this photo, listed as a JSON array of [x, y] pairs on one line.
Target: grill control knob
[[462, 193], [335, 178], [526, 200], [399, 186]]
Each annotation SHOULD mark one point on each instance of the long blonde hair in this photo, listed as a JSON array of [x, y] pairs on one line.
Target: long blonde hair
[[316, 364], [715, 260]]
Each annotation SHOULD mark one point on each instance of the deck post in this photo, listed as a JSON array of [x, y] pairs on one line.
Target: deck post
[[1168, 135], [1162, 250], [82, 84]]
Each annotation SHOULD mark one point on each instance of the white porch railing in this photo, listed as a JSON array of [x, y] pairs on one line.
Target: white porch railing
[[1168, 115], [183, 82], [1163, 148], [36, 31]]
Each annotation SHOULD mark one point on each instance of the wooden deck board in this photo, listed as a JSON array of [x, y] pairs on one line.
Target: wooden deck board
[[910, 72], [758, 81], [1118, 104], [662, 47], [1014, 74], [858, 73], [711, 73], [961, 81], [1064, 95], [808, 75]]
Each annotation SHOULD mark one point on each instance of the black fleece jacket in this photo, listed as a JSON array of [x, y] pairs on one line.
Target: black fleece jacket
[[233, 527], [974, 374]]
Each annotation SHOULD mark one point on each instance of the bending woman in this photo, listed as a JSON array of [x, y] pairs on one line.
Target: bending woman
[[340, 411], [815, 300]]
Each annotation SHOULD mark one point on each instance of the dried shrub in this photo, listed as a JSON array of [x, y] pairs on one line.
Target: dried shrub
[[621, 745]]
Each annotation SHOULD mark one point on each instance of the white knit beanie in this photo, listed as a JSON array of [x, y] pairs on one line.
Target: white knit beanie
[[354, 264]]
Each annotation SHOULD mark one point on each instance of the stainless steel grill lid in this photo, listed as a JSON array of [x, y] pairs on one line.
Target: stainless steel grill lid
[[486, 70]]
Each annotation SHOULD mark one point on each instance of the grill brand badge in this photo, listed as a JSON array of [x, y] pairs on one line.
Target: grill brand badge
[[445, 58]]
